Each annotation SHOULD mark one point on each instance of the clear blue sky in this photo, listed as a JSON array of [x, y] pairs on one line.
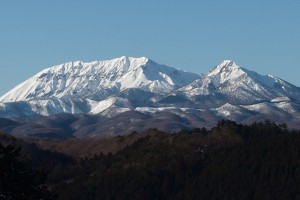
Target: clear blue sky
[[263, 36]]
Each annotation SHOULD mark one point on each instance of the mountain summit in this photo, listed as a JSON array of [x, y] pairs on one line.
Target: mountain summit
[[226, 71], [225, 66]]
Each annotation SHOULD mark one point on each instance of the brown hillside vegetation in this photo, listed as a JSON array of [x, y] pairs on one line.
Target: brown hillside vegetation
[[230, 161], [88, 147]]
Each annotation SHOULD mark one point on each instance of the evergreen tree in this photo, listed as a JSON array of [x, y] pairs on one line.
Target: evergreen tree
[[17, 179]]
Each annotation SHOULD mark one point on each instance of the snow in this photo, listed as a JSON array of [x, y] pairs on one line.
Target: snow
[[172, 109], [100, 87], [81, 79], [260, 107], [226, 71], [241, 85], [226, 109], [109, 113], [103, 105], [281, 99], [286, 106]]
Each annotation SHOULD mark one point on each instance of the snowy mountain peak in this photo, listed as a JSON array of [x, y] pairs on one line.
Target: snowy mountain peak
[[226, 63], [227, 66], [117, 65], [99, 79], [229, 83], [226, 71]]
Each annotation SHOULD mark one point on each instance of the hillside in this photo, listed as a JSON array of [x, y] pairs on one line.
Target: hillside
[[230, 161]]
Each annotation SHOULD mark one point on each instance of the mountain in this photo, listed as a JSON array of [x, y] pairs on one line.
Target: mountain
[[118, 96], [229, 83], [98, 80], [78, 87]]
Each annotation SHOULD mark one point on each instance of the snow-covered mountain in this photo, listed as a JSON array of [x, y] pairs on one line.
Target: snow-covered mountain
[[229, 83], [98, 80], [128, 93], [78, 87]]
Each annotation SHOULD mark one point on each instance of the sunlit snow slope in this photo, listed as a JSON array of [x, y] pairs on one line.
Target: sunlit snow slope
[[98, 80], [78, 87]]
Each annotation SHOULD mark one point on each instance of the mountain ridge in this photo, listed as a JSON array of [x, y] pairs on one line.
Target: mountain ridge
[[111, 75], [237, 85], [167, 98]]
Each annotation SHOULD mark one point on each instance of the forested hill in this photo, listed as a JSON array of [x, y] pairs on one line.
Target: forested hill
[[230, 161]]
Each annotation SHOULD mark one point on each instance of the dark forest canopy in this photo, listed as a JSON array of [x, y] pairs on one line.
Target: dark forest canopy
[[230, 161]]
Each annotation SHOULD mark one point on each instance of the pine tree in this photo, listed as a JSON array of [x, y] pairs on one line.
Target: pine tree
[[17, 179]]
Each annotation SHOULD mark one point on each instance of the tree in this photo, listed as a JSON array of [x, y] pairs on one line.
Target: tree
[[17, 179]]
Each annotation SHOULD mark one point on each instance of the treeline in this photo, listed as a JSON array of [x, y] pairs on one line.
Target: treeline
[[230, 161]]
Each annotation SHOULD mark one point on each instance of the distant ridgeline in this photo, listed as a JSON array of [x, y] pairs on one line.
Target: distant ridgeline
[[229, 161], [112, 97]]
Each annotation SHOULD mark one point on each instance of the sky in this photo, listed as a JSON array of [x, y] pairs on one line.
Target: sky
[[263, 36]]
